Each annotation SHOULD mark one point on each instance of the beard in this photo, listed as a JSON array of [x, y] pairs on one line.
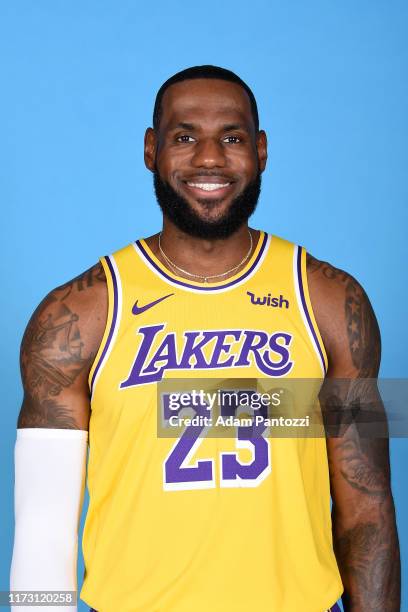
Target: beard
[[178, 210]]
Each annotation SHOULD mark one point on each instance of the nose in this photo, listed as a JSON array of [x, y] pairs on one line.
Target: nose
[[208, 153]]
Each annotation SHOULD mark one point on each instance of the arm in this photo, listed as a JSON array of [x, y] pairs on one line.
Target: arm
[[57, 351], [365, 536]]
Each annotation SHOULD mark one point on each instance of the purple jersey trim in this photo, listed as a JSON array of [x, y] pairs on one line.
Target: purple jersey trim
[[113, 322], [302, 296], [334, 608], [143, 251]]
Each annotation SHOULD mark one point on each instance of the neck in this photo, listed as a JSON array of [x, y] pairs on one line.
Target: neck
[[200, 256]]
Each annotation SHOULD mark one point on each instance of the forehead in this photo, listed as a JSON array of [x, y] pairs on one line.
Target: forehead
[[205, 100]]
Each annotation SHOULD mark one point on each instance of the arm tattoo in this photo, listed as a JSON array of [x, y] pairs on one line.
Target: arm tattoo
[[83, 281], [327, 270], [365, 539], [367, 550], [362, 330], [52, 358], [366, 546], [368, 561]]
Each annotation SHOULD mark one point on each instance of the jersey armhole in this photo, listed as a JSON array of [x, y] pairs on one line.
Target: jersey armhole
[[112, 320], [305, 305]]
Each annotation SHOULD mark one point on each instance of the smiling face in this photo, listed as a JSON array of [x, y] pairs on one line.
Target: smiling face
[[206, 154]]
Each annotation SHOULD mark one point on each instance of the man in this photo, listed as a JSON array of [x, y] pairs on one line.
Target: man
[[231, 524]]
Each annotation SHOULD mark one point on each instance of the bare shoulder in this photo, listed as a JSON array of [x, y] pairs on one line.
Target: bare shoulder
[[345, 319], [58, 349]]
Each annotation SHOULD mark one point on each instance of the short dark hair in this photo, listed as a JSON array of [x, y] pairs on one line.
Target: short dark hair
[[203, 72]]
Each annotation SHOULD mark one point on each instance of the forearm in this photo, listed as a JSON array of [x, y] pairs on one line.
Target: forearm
[[367, 552], [49, 485]]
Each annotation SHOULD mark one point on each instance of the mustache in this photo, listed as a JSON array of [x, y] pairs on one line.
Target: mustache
[[210, 173]]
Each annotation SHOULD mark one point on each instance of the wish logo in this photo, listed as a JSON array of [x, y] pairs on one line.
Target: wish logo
[[268, 300]]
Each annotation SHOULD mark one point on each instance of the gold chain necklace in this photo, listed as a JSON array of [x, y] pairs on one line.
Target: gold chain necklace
[[206, 278]]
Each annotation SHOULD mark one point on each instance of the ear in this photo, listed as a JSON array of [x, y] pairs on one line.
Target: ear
[[262, 149], [150, 142]]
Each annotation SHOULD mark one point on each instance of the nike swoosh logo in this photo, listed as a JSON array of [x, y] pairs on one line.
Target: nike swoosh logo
[[136, 310]]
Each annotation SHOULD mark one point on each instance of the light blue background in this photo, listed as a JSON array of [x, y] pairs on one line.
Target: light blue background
[[78, 82]]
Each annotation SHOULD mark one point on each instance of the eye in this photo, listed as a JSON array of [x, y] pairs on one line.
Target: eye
[[185, 138], [232, 139]]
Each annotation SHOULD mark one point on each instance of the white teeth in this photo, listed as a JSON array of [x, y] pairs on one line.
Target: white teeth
[[208, 186]]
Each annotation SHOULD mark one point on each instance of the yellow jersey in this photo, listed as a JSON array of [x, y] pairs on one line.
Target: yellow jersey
[[187, 523]]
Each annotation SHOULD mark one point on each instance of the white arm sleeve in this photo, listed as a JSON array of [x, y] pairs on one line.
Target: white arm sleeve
[[48, 496]]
